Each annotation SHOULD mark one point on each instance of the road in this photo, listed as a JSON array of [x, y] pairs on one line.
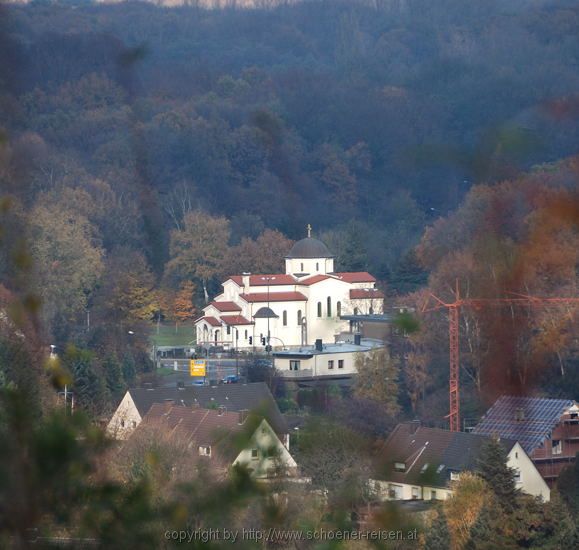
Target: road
[[216, 369]]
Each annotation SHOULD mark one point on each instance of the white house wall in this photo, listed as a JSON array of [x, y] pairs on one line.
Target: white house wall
[[531, 481], [318, 364], [264, 440], [386, 490], [125, 419]]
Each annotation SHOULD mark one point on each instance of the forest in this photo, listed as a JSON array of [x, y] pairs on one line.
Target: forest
[[148, 152]]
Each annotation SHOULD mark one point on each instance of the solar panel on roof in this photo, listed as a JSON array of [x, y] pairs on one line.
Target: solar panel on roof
[[529, 420]]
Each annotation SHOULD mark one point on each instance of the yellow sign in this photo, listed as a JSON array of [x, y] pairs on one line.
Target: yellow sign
[[197, 367]]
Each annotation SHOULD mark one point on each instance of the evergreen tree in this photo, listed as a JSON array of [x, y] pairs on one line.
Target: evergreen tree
[[438, 536], [408, 276], [568, 486], [492, 467], [487, 533], [113, 376], [89, 385], [129, 368]]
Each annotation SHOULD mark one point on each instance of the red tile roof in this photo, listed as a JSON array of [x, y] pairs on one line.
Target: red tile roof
[[235, 320], [363, 293], [204, 426], [274, 297], [211, 320], [225, 306], [314, 279], [273, 279], [357, 277]]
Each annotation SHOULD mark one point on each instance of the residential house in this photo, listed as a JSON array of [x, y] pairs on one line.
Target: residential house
[[232, 397], [224, 439], [548, 430], [328, 361], [419, 463]]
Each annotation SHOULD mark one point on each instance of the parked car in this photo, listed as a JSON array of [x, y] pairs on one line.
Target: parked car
[[231, 379]]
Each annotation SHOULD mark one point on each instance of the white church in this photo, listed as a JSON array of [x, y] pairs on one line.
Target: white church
[[289, 309]]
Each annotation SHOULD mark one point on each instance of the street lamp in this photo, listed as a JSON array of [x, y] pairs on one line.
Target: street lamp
[[268, 279], [53, 357]]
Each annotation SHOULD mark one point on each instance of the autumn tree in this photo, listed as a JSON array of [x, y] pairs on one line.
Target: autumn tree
[[198, 249], [128, 292], [183, 307], [68, 259], [377, 379], [262, 255], [471, 495]]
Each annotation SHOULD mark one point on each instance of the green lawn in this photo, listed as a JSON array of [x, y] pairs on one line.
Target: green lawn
[[167, 335]]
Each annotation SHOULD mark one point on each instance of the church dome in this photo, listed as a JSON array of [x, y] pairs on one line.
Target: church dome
[[309, 248]]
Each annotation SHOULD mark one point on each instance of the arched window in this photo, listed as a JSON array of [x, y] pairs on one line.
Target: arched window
[[302, 268], [329, 306], [317, 266], [284, 317], [339, 309], [299, 316], [319, 309]]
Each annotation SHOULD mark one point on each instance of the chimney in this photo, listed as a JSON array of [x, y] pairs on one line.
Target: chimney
[[519, 414], [245, 279], [319, 345], [357, 339], [168, 404], [243, 416]]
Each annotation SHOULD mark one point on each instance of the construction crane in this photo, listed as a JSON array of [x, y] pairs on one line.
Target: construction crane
[[454, 333]]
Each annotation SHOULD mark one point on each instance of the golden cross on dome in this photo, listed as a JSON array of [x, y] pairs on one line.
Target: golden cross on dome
[[309, 230]]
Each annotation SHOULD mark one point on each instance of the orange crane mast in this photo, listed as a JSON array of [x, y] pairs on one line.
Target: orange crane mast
[[454, 333]]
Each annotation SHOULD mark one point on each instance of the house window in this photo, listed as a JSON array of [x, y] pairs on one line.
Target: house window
[[518, 478], [400, 466], [355, 311], [134, 423], [254, 454], [317, 266], [122, 423], [340, 363], [204, 450], [371, 310], [433, 495], [339, 309], [415, 493], [330, 364], [302, 268], [228, 330], [329, 306], [454, 476], [284, 317], [294, 365], [556, 447], [319, 309], [299, 316], [246, 335]]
